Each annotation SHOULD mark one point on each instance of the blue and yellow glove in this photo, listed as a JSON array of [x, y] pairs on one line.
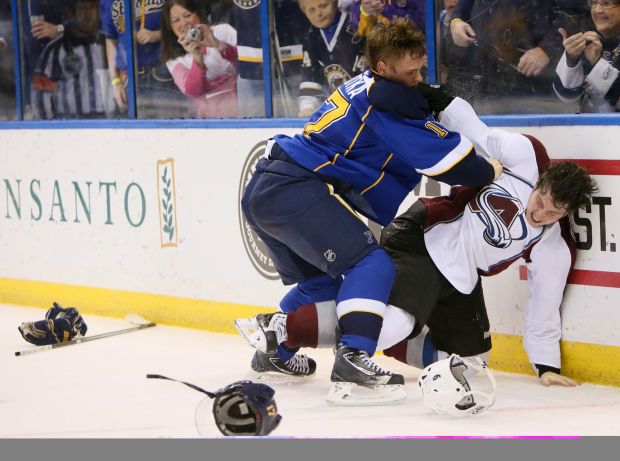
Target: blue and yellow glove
[[60, 325]]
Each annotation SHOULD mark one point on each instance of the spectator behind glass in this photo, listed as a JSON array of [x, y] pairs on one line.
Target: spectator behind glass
[[155, 88], [203, 68], [514, 47], [289, 24], [366, 13], [589, 68], [48, 19], [67, 80], [8, 103], [45, 20], [449, 56], [332, 54]]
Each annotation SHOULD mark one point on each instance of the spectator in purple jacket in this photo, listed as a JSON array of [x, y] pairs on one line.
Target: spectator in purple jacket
[[366, 13]]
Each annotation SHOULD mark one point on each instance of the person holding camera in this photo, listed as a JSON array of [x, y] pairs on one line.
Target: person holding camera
[[202, 59], [590, 66]]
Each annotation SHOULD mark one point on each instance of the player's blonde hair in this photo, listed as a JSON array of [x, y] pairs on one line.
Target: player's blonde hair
[[393, 40]]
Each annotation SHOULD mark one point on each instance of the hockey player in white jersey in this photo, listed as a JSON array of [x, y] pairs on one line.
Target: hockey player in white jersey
[[441, 246]]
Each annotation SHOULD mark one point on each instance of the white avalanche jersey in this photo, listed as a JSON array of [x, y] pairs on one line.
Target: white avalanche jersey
[[481, 232]]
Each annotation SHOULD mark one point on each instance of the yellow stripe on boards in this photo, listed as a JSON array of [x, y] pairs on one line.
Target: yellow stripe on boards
[[169, 310], [593, 363]]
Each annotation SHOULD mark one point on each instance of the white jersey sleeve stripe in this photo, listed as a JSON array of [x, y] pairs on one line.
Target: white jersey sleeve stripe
[[457, 154]]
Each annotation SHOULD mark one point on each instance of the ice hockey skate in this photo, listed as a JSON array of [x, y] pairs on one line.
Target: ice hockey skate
[[299, 365], [357, 380], [263, 331]]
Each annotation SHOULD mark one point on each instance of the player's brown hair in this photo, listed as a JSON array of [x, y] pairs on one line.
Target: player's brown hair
[[390, 42], [569, 184]]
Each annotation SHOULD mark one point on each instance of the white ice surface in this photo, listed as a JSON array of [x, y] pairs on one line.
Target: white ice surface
[[99, 389]]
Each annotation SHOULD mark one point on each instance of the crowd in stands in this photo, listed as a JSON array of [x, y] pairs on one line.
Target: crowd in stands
[[7, 67], [204, 58]]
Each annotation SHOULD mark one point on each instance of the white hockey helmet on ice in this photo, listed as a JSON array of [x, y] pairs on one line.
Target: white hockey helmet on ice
[[447, 391]]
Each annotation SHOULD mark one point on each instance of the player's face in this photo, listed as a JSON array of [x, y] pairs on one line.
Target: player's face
[[181, 19], [542, 210], [405, 70], [320, 13], [606, 17]]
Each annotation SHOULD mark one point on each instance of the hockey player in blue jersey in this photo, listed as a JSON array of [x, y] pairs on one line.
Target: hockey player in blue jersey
[[362, 152]]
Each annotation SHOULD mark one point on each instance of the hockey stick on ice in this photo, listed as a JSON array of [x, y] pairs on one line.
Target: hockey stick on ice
[[193, 386], [132, 318]]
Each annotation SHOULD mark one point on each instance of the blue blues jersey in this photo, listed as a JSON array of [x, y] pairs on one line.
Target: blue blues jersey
[[290, 24], [329, 61], [375, 157], [113, 24]]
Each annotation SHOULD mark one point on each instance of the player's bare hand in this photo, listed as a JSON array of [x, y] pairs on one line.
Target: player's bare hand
[[533, 62], [549, 378], [497, 167], [574, 45], [462, 33], [372, 7]]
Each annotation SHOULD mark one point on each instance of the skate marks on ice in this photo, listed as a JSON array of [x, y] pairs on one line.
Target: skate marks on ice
[[99, 389]]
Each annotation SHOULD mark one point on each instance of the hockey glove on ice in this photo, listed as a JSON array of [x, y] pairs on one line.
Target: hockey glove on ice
[[436, 96], [60, 325]]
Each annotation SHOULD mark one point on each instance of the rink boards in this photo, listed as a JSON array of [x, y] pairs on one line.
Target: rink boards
[[147, 221]]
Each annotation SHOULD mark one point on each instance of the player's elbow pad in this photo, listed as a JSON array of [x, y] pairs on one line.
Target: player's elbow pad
[[472, 170]]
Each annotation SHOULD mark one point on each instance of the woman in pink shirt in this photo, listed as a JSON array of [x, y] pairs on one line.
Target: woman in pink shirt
[[203, 66]]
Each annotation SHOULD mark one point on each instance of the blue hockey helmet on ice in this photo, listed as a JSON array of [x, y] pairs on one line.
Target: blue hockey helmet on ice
[[245, 408]]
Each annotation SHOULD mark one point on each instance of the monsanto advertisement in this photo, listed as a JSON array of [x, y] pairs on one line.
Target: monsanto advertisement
[[158, 211]]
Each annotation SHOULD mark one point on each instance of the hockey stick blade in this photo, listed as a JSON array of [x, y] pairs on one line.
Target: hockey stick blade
[[136, 319], [140, 325]]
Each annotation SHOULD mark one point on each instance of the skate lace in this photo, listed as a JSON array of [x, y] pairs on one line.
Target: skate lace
[[298, 363], [372, 365]]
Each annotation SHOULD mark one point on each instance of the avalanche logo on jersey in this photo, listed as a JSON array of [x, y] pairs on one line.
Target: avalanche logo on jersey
[[502, 215]]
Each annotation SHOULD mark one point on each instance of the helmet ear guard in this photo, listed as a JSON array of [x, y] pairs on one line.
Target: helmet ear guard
[[447, 391]]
